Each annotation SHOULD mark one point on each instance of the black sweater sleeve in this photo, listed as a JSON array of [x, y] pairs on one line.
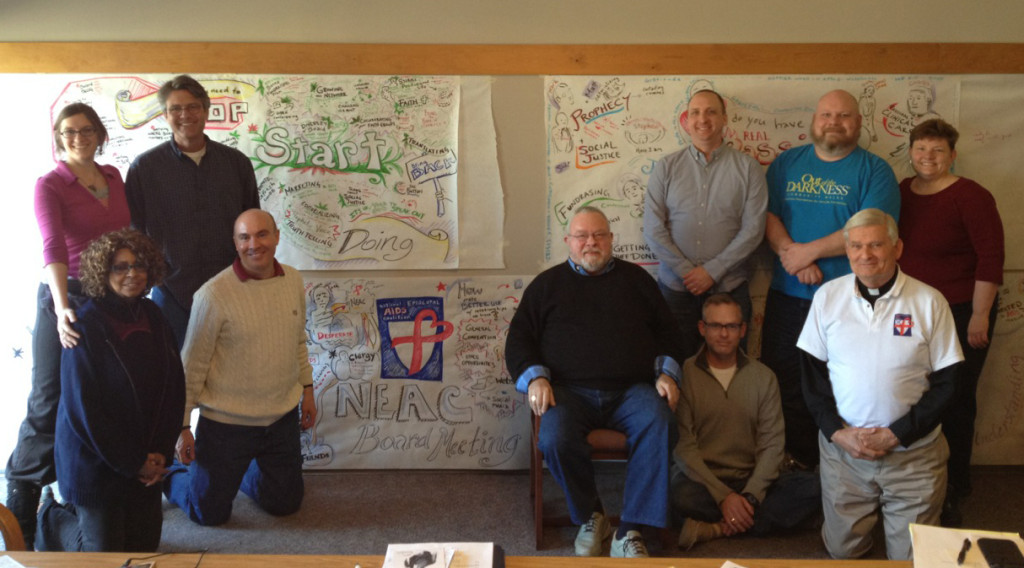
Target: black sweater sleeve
[[924, 416], [818, 395]]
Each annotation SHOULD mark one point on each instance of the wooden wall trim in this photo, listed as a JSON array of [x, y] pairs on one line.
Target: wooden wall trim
[[486, 59]]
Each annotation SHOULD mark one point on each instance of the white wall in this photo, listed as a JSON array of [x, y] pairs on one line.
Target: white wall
[[515, 21]]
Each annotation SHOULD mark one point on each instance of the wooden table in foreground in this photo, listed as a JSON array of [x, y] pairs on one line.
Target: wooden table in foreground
[[115, 560]]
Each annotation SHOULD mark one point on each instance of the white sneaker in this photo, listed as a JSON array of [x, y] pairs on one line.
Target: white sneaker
[[593, 533], [631, 546]]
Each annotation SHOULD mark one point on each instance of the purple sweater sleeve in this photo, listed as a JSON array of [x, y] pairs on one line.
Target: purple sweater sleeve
[[50, 217]]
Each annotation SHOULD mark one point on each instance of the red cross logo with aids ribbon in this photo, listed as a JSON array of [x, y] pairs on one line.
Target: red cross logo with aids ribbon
[[902, 325], [417, 340], [413, 332]]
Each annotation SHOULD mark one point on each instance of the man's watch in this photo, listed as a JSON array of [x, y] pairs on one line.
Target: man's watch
[[751, 499]]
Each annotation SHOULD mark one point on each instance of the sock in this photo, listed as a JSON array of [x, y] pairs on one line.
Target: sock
[[624, 528]]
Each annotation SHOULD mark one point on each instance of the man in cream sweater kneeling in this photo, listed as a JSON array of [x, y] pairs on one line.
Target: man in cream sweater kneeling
[[246, 369]]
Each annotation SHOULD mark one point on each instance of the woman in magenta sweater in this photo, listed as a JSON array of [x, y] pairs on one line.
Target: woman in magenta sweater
[[75, 203], [953, 240]]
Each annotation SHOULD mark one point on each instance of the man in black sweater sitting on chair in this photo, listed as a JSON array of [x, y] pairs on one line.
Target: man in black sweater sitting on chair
[[594, 345]]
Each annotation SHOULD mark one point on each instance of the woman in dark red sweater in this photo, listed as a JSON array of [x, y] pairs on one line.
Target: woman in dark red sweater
[[953, 240]]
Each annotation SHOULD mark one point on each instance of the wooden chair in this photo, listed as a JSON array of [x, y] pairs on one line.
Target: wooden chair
[[10, 530], [608, 445]]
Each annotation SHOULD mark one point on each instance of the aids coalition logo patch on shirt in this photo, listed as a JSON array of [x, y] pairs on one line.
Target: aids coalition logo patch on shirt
[[902, 324]]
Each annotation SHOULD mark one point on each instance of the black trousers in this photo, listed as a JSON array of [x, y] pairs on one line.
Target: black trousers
[[129, 520], [958, 419], [784, 317], [32, 458]]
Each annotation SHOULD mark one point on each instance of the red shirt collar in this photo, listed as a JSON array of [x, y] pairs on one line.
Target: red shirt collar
[[243, 275]]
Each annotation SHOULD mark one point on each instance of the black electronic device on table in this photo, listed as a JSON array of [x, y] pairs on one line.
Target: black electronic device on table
[[1001, 553]]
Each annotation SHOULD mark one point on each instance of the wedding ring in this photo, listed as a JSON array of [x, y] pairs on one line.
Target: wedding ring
[[533, 398]]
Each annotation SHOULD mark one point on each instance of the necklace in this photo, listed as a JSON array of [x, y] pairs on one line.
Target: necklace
[[96, 185], [98, 192]]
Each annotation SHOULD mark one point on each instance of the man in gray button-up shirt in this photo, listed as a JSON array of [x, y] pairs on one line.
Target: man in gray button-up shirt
[[704, 215]]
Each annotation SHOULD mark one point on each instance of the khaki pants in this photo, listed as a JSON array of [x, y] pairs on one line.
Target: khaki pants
[[908, 486]]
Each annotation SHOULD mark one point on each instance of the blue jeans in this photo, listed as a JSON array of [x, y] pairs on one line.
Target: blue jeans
[[264, 462], [687, 309], [651, 434], [793, 499], [784, 317], [175, 313]]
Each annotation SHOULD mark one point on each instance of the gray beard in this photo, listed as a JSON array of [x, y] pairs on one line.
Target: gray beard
[[593, 266]]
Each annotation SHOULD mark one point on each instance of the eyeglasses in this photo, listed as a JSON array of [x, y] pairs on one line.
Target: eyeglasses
[[598, 236], [192, 108], [70, 133], [717, 327], [124, 267]]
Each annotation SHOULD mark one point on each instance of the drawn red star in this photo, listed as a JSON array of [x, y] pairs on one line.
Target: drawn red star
[[441, 287], [253, 128]]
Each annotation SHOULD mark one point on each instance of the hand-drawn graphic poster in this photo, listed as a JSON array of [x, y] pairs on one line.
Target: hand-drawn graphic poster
[[604, 134], [410, 373], [999, 430], [360, 172], [363, 169]]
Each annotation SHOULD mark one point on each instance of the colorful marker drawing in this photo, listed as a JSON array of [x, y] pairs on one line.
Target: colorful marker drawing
[[360, 172]]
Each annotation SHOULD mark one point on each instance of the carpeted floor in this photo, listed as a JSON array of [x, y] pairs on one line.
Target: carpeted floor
[[360, 512]]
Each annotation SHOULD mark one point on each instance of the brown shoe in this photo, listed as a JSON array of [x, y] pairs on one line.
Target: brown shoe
[[698, 531]]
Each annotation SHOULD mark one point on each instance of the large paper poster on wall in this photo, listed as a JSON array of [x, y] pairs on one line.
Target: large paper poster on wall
[[410, 373], [360, 172], [606, 133]]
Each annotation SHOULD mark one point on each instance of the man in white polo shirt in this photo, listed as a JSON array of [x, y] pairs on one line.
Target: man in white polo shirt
[[880, 355]]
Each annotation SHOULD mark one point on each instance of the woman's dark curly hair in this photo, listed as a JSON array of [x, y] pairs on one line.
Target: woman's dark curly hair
[[94, 264]]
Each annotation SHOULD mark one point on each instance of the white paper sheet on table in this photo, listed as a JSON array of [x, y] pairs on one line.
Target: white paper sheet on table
[[440, 555], [938, 547]]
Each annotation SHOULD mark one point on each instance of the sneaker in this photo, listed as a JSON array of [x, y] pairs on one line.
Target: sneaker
[[698, 531], [631, 546], [593, 533]]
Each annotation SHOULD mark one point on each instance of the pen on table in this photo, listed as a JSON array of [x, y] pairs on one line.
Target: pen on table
[[963, 551]]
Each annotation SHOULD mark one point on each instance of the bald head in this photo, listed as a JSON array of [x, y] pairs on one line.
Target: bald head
[[256, 237], [251, 216], [839, 96]]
